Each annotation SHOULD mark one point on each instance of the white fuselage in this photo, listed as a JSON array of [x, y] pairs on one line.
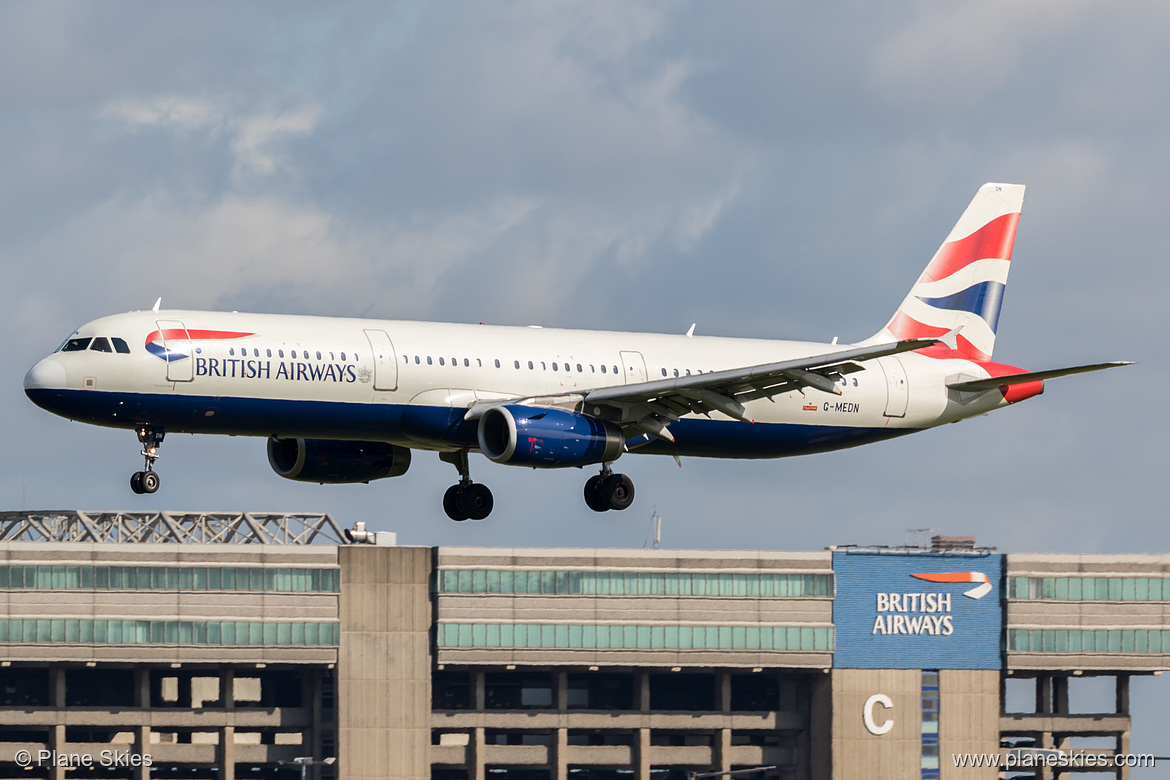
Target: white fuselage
[[354, 379]]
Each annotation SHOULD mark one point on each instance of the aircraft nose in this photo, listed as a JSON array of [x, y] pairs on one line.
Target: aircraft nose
[[45, 375]]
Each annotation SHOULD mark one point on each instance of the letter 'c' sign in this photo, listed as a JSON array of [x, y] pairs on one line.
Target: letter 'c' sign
[[867, 714]]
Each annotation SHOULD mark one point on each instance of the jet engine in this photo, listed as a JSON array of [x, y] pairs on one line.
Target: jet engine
[[324, 460], [547, 438]]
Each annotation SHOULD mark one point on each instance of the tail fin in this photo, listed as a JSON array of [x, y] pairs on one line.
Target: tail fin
[[963, 284]]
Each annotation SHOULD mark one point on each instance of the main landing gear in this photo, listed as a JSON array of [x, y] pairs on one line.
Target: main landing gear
[[148, 481], [607, 491], [467, 500]]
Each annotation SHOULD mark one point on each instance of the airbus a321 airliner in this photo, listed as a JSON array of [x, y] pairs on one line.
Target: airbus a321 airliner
[[346, 400]]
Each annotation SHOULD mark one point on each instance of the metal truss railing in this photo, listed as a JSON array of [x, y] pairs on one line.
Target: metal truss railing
[[170, 527]]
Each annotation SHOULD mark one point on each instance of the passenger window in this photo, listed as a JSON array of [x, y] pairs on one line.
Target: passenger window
[[517, 362], [405, 358], [101, 344], [232, 351], [676, 372], [280, 352], [530, 365], [331, 356], [664, 372], [343, 357], [554, 366], [579, 368], [268, 352], [454, 361], [416, 361], [615, 369], [122, 348], [479, 362], [441, 363], [497, 362], [466, 363], [592, 370], [688, 372], [543, 366], [603, 370], [429, 360], [318, 355]]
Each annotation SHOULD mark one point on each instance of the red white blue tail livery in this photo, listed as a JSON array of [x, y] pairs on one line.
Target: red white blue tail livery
[[349, 400]]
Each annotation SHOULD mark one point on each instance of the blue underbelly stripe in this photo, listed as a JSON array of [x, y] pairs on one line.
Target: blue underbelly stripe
[[417, 425]]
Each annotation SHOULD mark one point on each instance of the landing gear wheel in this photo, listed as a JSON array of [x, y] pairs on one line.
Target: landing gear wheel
[[593, 498], [136, 482], [618, 491], [451, 505], [476, 500], [149, 481]]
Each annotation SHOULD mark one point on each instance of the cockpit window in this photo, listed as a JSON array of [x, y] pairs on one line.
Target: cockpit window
[[101, 344], [75, 345], [120, 346]]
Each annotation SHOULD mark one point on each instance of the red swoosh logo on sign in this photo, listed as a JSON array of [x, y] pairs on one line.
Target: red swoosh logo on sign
[[978, 592]]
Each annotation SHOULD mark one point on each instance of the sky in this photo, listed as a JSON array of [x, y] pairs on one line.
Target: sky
[[776, 170]]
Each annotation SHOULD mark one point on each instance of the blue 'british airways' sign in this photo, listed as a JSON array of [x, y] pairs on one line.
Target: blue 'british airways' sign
[[917, 610]]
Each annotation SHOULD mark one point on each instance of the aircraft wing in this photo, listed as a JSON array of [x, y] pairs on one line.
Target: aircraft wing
[[975, 385], [648, 407]]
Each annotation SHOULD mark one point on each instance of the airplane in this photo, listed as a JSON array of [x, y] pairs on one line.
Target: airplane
[[347, 400]]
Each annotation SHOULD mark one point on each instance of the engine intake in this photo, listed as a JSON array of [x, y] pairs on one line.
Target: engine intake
[[547, 438], [336, 462]]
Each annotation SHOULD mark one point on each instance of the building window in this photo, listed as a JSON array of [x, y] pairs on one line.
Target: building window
[[643, 637], [930, 713]]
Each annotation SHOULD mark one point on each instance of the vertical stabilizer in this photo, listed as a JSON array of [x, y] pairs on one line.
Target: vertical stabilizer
[[963, 285]]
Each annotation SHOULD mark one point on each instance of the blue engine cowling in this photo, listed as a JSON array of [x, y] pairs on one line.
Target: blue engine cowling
[[327, 461], [547, 438]]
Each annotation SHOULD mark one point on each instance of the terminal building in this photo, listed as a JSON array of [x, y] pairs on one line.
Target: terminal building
[[259, 646]]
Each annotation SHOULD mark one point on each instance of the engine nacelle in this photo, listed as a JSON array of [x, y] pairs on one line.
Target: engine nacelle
[[547, 438], [324, 460]]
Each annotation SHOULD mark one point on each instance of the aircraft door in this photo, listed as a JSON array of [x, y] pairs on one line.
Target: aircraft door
[[385, 361], [897, 386], [176, 344], [634, 367]]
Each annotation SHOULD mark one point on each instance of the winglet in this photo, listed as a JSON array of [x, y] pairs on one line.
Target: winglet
[[157, 304]]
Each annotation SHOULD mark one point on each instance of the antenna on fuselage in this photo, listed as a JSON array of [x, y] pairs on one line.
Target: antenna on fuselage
[[691, 330], [157, 304]]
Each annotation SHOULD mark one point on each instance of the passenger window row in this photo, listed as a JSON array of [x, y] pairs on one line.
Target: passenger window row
[[304, 354], [568, 368]]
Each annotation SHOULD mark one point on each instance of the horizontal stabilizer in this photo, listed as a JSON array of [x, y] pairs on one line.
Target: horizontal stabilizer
[[992, 383]]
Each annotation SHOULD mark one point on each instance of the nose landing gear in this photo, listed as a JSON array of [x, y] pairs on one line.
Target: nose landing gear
[[608, 490], [467, 500], [148, 481]]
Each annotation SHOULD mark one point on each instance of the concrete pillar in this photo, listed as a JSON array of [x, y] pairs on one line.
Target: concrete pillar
[[226, 754], [227, 688], [57, 743], [722, 750], [1046, 772], [480, 690], [642, 690], [1122, 694], [642, 754], [723, 690], [1060, 695], [141, 687], [57, 686], [142, 747], [183, 694], [476, 766], [561, 691], [1044, 694], [1122, 749], [559, 761], [1003, 693]]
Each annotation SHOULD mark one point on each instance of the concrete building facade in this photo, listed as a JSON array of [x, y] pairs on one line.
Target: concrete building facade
[[375, 661]]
